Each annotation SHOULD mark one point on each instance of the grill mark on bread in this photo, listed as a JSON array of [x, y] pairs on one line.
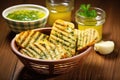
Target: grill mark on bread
[[21, 38], [62, 34], [81, 39], [64, 23], [64, 43], [31, 52], [86, 38], [46, 45], [52, 48], [63, 29], [50, 51], [60, 31], [25, 52], [28, 38], [41, 52], [91, 32], [35, 37], [37, 50], [42, 37], [43, 49], [25, 38], [57, 40], [89, 39], [18, 39], [57, 51], [53, 52]]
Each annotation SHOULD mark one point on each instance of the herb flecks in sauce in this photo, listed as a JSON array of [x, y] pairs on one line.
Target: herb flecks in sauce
[[26, 15]]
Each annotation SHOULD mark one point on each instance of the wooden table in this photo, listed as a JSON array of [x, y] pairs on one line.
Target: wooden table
[[95, 67]]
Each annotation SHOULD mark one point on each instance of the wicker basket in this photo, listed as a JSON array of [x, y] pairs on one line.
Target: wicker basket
[[52, 66]]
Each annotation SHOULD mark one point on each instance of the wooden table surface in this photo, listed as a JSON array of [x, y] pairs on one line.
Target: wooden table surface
[[95, 66]]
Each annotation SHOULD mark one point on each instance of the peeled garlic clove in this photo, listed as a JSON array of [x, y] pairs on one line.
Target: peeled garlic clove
[[104, 47]]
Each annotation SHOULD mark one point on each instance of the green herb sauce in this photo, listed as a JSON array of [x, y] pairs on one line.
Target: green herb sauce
[[26, 15]]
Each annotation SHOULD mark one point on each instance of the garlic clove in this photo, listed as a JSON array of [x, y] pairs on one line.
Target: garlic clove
[[104, 47]]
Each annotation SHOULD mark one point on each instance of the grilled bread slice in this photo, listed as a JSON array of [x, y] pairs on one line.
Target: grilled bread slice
[[23, 39], [86, 38], [64, 34], [44, 50]]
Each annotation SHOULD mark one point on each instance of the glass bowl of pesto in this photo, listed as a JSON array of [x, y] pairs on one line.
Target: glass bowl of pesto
[[24, 17]]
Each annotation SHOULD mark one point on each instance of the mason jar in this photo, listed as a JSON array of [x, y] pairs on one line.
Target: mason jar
[[90, 22], [59, 9]]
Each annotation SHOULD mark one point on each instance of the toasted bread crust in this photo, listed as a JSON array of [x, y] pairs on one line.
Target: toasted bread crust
[[63, 33], [87, 38], [44, 50], [23, 39]]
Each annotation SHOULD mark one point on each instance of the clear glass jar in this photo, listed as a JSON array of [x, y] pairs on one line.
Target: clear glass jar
[[87, 22], [59, 9]]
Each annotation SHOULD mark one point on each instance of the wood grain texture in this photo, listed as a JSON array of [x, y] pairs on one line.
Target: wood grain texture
[[7, 59], [95, 66]]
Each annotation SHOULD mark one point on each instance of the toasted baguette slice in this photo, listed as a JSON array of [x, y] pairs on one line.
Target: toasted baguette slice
[[63, 34], [23, 39], [44, 50], [86, 38]]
